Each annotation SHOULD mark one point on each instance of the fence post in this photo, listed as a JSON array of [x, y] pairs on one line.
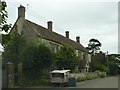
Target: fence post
[[20, 73], [10, 74]]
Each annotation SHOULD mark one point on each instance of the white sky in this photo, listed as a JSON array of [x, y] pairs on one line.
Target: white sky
[[94, 19]]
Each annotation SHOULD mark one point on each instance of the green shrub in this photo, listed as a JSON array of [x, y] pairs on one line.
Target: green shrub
[[35, 82], [79, 79], [36, 61]]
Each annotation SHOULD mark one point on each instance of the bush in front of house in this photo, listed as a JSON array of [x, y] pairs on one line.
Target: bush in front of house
[[35, 82], [79, 79], [37, 60], [66, 58]]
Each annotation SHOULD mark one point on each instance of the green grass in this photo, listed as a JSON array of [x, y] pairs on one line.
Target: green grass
[[35, 82], [79, 79]]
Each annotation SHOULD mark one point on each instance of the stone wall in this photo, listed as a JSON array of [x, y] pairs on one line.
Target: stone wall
[[90, 74], [8, 76]]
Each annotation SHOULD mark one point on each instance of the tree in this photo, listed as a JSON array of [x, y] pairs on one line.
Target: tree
[[3, 22], [94, 65], [36, 59], [66, 58], [4, 15], [14, 44], [98, 62], [114, 62], [93, 46]]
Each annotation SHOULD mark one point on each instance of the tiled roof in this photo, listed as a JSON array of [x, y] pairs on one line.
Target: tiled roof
[[53, 36]]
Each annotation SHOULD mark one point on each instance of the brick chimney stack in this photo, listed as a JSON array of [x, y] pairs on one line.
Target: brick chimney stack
[[78, 39], [49, 23], [67, 34], [21, 11]]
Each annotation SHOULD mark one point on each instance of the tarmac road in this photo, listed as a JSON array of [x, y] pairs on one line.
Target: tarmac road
[[107, 82]]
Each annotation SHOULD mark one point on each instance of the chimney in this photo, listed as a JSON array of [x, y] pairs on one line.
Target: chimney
[[21, 11], [49, 23], [78, 39], [67, 34]]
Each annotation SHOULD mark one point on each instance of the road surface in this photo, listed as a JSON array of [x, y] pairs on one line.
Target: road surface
[[107, 82]]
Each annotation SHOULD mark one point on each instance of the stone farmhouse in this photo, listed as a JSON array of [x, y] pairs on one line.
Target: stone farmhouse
[[39, 34]]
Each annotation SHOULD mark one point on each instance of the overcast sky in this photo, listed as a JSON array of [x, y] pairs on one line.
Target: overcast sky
[[94, 19]]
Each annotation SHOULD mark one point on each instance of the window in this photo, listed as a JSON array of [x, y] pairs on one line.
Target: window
[[54, 47], [80, 54], [58, 75]]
